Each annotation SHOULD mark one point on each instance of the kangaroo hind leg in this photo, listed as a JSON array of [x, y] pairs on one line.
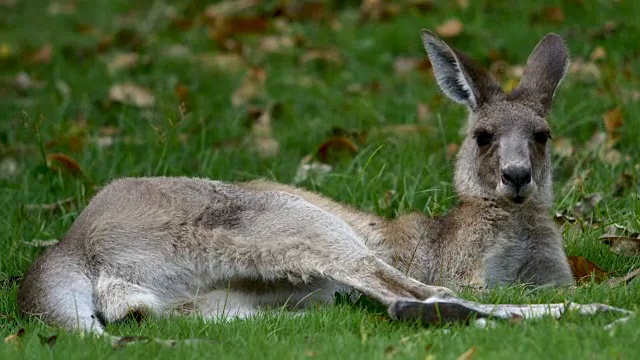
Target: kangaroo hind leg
[[116, 298]]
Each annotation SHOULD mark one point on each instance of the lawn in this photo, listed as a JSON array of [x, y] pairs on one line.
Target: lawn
[[95, 90]]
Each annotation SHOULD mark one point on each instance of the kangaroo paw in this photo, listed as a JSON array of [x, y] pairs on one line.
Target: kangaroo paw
[[432, 313]]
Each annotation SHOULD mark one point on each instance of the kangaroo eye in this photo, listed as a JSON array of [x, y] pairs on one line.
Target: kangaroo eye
[[541, 137], [483, 138]]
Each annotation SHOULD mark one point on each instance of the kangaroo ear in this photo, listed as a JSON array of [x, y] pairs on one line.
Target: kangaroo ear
[[461, 79], [546, 67]]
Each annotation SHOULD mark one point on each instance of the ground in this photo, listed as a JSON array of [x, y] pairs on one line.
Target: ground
[[92, 91]]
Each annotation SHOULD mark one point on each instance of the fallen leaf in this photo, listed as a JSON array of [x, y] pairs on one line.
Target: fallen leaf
[[424, 113], [608, 29], [41, 243], [359, 88], [622, 245], [624, 279], [62, 204], [64, 163], [252, 86], [224, 62], [41, 55], [621, 240], [276, 44], [452, 150], [422, 5], [182, 93], [463, 4], [563, 219], [336, 148], [229, 7], [402, 130], [450, 28], [122, 61], [405, 65], [329, 56], [310, 169], [14, 339], [262, 140], [302, 10], [132, 94], [583, 270], [61, 8], [585, 69], [551, 14], [468, 355], [371, 9], [612, 122], [598, 53], [222, 28], [562, 147]]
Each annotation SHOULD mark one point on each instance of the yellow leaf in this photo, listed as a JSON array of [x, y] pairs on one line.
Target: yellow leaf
[[450, 28]]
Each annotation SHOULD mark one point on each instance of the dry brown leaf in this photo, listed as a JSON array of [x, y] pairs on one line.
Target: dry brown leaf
[[405, 65], [402, 130], [276, 44], [229, 7], [468, 355], [122, 61], [61, 8], [224, 62], [450, 28], [562, 218], [463, 4], [622, 245], [262, 140], [252, 86], [424, 113], [585, 69], [329, 55], [378, 10], [41, 55], [626, 244], [14, 339], [336, 148], [132, 94], [612, 122], [551, 14], [314, 10], [64, 163], [606, 30], [598, 53], [452, 150], [226, 27], [583, 270], [182, 93], [624, 279], [563, 147], [359, 88]]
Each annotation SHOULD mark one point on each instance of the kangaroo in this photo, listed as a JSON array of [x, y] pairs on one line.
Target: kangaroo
[[164, 245]]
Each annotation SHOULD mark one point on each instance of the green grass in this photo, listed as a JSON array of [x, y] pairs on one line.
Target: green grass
[[44, 119]]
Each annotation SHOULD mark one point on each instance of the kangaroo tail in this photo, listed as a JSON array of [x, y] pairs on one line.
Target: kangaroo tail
[[58, 291]]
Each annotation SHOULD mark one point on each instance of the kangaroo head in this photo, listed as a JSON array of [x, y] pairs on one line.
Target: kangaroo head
[[506, 153]]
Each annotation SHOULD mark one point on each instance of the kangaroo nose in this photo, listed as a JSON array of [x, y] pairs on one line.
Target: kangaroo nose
[[516, 176]]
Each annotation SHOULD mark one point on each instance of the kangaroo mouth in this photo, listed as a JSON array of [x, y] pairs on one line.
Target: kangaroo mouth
[[519, 199]]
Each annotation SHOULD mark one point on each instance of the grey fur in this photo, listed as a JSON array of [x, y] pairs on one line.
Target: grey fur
[[190, 245]]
